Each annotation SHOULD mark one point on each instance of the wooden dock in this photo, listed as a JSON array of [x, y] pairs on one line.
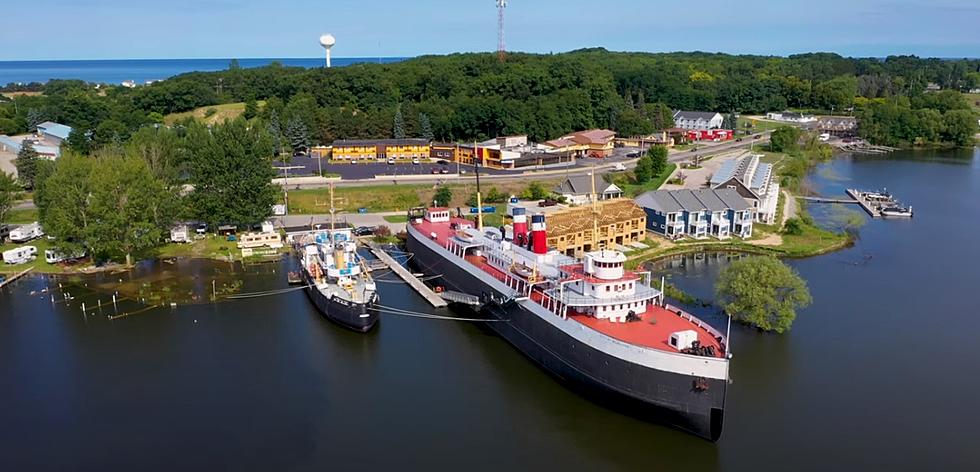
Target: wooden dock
[[867, 149], [427, 293], [872, 208], [15, 277]]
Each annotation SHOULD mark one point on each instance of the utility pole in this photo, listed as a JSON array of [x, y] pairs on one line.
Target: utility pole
[[285, 188]]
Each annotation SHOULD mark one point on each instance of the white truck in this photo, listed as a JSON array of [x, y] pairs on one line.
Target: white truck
[[20, 255], [26, 233]]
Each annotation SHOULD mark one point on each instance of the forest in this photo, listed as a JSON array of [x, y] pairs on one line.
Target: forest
[[462, 97]]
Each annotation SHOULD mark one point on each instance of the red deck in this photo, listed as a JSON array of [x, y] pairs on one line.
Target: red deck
[[644, 333]]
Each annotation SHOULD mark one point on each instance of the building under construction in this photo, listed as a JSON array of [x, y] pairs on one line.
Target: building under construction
[[577, 230]]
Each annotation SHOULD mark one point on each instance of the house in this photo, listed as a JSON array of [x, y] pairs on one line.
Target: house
[[577, 190], [791, 117], [754, 181], [698, 119], [840, 126], [594, 142], [577, 230], [697, 213], [379, 149], [53, 133]]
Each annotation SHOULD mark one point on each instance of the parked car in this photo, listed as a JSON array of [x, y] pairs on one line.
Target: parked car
[[391, 161], [444, 171], [633, 154], [202, 228], [620, 167], [548, 202], [416, 161], [363, 231], [434, 171], [442, 162], [738, 140], [353, 161]]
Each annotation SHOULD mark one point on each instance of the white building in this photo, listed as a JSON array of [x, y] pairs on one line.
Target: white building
[[578, 190], [754, 181], [790, 117], [698, 119]]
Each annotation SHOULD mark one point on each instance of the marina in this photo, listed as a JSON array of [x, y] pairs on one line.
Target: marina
[[876, 204]]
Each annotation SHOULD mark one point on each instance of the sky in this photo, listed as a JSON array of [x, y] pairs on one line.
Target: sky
[[137, 29]]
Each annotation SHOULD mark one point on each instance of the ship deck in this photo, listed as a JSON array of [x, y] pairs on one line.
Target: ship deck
[[653, 330]]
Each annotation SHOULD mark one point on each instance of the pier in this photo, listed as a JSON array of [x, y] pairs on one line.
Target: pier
[[427, 293], [872, 206], [15, 277], [862, 148]]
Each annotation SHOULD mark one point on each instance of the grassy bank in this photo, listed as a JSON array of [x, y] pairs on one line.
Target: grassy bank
[[627, 181], [21, 216], [210, 115]]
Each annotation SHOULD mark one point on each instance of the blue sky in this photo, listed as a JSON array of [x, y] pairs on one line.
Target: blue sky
[[129, 29]]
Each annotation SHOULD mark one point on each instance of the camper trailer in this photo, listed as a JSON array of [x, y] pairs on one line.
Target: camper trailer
[[26, 233], [257, 240], [20, 255], [180, 234], [54, 256]]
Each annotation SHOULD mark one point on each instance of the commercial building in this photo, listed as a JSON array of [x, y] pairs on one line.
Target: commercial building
[[790, 117], [697, 213], [754, 181], [506, 152], [577, 190], [53, 133], [380, 149], [592, 143], [660, 138], [698, 119], [577, 230], [715, 135], [13, 145]]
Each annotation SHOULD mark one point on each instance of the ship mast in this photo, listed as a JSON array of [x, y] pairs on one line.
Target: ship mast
[[595, 212], [332, 209], [479, 197]]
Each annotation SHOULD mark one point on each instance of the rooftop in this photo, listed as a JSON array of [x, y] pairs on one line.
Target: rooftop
[[54, 129], [672, 201], [694, 115]]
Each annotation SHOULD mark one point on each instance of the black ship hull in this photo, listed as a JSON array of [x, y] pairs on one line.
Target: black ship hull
[[687, 402], [359, 317]]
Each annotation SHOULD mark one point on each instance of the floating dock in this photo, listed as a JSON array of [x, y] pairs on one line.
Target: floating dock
[[427, 293], [15, 277], [873, 208]]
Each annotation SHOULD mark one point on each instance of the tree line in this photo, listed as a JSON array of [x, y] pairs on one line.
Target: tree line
[[463, 97]]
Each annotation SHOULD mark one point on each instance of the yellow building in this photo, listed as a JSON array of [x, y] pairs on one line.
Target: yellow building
[[617, 221], [380, 149], [591, 143]]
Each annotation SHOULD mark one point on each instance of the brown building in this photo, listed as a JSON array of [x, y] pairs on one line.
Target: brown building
[[619, 221]]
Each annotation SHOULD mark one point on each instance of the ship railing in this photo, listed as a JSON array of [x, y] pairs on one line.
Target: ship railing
[[572, 298], [696, 321]]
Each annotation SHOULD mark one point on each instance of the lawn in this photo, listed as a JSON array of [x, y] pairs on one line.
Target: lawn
[[38, 264], [396, 218], [758, 125], [974, 99], [21, 216], [221, 113], [624, 181]]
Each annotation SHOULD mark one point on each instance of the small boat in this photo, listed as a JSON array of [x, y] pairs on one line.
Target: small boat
[[897, 212], [294, 278]]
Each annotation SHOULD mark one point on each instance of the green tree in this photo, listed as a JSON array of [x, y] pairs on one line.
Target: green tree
[[26, 163], [34, 118], [443, 196], [78, 141], [762, 292], [130, 208], [398, 125], [161, 149], [63, 200], [298, 134], [232, 173], [959, 127], [251, 108], [785, 139], [425, 127], [535, 191], [644, 169], [658, 159], [8, 188], [274, 127], [793, 227], [730, 121]]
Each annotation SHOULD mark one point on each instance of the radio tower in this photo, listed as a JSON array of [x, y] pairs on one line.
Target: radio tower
[[501, 47]]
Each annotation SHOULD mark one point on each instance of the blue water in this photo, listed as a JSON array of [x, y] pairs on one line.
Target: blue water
[[142, 70]]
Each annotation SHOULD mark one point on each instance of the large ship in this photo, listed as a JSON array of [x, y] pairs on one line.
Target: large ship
[[588, 321], [336, 280]]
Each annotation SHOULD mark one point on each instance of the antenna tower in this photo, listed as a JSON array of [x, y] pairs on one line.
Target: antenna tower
[[501, 47]]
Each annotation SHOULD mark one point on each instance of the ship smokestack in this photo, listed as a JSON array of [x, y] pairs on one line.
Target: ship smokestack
[[520, 225], [539, 234]]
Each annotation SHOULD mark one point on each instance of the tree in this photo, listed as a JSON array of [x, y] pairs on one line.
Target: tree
[[8, 187], [274, 127], [26, 163], [443, 196], [398, 125], [785, 139], [658, 159], [534, 191], [251, 108], [232, 173], [298, 134], [34, 118], [762, 292], [959, 127], [644, 169], [425, 127], [78, 141], [730, 121], [63, 199]]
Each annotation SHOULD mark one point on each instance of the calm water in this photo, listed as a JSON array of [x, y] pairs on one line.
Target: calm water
[[877, 374], [142, 70]]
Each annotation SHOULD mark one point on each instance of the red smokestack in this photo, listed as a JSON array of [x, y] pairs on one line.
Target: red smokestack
[[539, 234], [520, 224]]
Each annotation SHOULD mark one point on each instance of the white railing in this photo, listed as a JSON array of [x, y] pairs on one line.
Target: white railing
[[574, 298]]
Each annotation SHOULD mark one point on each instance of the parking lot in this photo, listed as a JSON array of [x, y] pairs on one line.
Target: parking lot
[[368, 170]]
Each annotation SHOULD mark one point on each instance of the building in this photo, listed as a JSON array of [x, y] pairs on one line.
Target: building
[[53, 133], [791, 117], [379, 149], [13, 145], [697, 213], [577, 190], [840, 126], [577, 230], [698, 119], [592, 143], [507, 152], [754, 181], [715, 135], [660, 138]]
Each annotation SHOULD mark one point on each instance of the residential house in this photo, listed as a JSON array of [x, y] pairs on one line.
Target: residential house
[[697, 213], [840, 126], [577, 190], [754, 181], [698, 119]]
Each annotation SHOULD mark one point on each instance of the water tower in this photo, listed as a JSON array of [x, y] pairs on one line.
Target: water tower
[[327, 41]]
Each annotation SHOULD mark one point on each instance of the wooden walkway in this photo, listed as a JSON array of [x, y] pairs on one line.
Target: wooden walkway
[[830, 200], [427, 293], [15, 277]]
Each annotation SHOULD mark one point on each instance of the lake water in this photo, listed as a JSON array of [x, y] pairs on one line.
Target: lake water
[[142, 70], [877, 374]]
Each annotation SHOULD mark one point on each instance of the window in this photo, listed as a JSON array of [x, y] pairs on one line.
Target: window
[[607, 288]]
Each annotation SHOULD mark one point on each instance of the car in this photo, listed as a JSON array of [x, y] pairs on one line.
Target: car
[[363, 231], [353, 161], [620, 167], [738, 140], [434, 171], [444, 171], [416, 161], [442, 162], [4, 232], [202, 228], [391, 161], [633, 154], [548, 202], [758, 136]]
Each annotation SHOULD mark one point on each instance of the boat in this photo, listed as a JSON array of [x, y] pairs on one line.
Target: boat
[[897, 211], [336, 279], [599, 328]]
